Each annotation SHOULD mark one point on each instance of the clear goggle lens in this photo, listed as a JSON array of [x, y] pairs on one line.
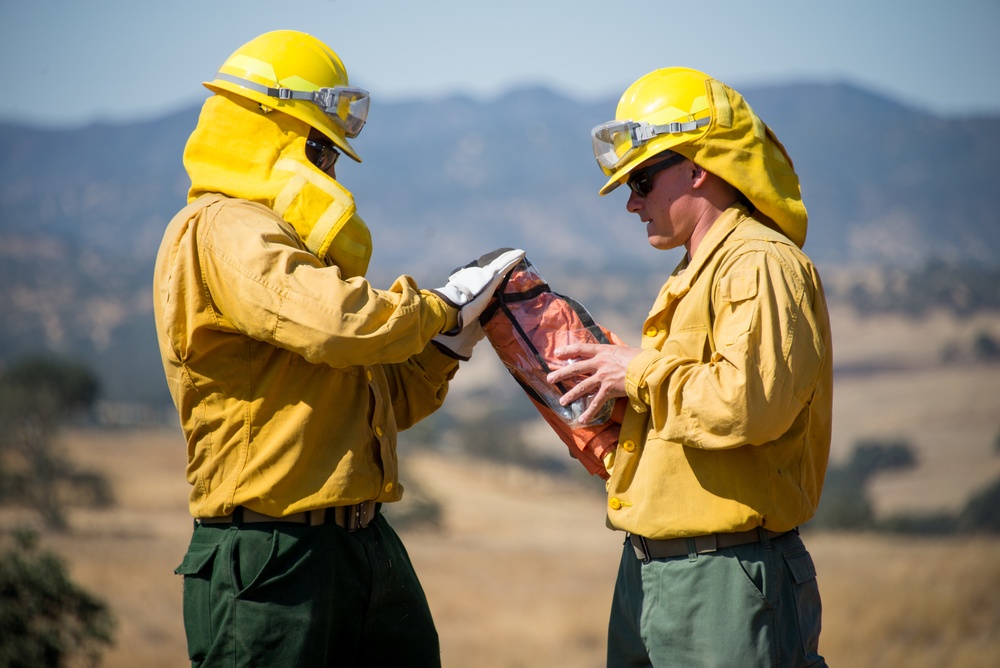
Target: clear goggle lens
[[348, 107], [615, 141]]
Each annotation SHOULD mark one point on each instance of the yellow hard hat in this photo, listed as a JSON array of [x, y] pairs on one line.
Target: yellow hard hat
[[296, 74], [706, 121], [659, 111]]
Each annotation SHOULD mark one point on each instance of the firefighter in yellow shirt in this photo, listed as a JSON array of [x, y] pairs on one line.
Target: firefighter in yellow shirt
[[292, 374], [725, 442]]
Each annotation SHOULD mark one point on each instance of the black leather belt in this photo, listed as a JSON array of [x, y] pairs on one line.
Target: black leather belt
[[352, 517], [650, 548]]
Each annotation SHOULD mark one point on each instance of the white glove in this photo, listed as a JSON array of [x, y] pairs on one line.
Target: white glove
[[459, 346], [471, 287]]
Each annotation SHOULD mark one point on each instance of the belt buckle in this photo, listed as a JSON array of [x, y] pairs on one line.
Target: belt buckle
[[639, 546], [353, 517], [646, 558], [706, 544], [358, 515]]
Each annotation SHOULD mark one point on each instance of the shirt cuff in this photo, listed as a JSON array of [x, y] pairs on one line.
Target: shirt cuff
[[635, 379], [447, 313]]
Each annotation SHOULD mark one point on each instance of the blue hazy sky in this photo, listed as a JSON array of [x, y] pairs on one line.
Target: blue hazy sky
[[71, 62]]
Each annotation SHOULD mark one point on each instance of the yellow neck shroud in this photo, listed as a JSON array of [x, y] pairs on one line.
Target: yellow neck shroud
[[239, 150]]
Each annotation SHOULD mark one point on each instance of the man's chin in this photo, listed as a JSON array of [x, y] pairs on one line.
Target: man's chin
[[661, 243]]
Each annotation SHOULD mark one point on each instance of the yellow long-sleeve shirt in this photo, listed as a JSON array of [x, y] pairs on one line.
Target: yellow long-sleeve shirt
[[730, 402], [290, 381], [291, 374]]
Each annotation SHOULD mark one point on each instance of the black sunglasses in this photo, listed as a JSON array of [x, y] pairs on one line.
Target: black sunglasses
[[326, 155], [641, 180]]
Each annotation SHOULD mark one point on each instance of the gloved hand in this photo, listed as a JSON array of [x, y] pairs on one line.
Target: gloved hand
[[459, 346], [470, 288]]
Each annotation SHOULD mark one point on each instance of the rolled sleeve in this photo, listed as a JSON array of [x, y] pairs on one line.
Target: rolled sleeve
[[635, 379]]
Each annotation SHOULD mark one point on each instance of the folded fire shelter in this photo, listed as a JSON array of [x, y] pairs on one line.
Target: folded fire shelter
[[525, 323]]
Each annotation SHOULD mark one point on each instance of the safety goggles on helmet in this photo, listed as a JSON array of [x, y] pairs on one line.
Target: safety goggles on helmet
[[348, 107], [640, 181], [615, 141]]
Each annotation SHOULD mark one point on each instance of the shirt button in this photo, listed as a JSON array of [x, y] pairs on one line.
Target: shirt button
[[628, 446], [388, 487], [371, 376], [615, 504], [378, 431], [652, 331]]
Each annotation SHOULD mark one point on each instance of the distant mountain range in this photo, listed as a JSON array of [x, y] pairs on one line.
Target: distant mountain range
[[444, 180]]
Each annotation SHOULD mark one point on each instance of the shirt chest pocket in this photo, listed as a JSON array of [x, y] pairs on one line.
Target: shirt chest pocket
[[736, 306]]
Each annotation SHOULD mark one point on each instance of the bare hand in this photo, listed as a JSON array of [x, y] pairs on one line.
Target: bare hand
[[601, 368]]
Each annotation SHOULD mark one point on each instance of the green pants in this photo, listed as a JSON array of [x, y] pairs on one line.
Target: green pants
[[277, 594], [749, 606]]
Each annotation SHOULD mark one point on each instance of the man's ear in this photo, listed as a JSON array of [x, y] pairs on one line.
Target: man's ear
[[699, 175]]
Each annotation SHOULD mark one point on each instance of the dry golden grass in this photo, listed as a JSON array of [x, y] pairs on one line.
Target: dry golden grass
[[918, 603], [948, 411], [522, 570], [126, 554]]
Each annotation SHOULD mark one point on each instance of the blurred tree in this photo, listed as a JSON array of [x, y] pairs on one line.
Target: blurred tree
[[45, 619], [924, 524], [962, 289], [873, 457], [38, 396], [985, 348], [846, 503], [982, 511]]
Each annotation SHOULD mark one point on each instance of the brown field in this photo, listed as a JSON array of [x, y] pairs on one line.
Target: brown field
[[521, 571]]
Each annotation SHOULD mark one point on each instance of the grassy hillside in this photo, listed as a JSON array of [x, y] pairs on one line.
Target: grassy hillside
[[520, 570], [519, 567]]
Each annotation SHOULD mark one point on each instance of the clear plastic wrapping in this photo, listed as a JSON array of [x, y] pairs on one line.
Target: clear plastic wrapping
[[526, 323]]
